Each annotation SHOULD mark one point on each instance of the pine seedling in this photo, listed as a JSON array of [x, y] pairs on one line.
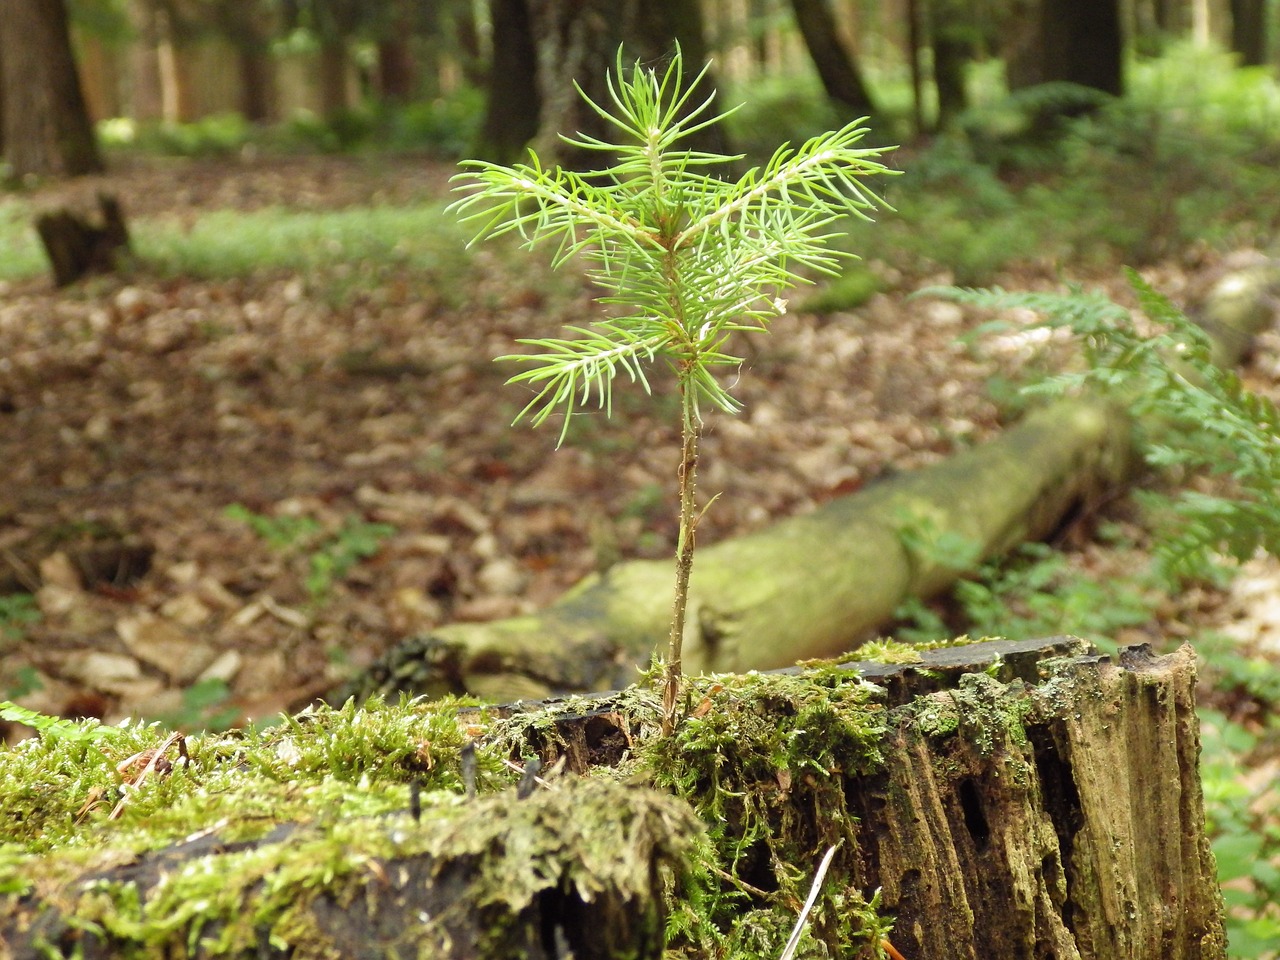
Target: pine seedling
[[686, 259]]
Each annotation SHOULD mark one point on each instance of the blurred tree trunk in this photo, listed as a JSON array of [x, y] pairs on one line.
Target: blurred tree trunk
[[576, 42], [514, 103], [1072, 41], [1078, 41], [144, 63], [1249, 31], [1173, 17], [333, 65], [397, 70], [47, 131], [257, 84], [836, 66], [952, 34]]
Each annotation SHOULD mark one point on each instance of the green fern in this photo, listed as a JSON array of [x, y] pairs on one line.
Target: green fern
[[1193, 418]]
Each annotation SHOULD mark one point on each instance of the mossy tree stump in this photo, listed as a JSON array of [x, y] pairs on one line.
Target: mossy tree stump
[[1009, 801]]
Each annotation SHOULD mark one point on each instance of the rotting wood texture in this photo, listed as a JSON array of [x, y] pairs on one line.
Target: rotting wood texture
[[1038, 800]]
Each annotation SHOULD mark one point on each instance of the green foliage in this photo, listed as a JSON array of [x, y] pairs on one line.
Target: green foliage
[[206, 705], [217, 135], [756, 748], [50, 727], [20, 252], [17, 611], [1246, 841], [1196, 419], [361, 240], [329, 556], [1033, 592], [687, 258]]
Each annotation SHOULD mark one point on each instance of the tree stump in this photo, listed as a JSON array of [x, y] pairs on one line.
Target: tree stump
[[1009, 801], [78, 247]]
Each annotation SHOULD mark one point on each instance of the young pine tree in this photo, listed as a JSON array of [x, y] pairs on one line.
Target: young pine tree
[[687, 259]]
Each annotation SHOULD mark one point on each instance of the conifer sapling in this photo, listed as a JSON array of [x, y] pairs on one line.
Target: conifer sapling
[[687, 260]]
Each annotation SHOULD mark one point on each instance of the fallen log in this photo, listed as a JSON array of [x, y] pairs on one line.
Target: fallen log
[[812, 585], [804, 588], [1013, 800]]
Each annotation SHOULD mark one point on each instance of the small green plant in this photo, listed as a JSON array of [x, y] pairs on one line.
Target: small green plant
[[329, 557], [687, 259], [17, 611]]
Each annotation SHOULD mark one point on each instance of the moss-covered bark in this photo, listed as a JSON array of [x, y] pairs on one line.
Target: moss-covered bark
[[1013, 800]]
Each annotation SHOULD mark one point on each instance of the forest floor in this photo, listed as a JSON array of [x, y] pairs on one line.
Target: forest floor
[[228, 493]]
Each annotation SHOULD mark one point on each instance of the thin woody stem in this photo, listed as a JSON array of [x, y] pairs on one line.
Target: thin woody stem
[[684, 560]]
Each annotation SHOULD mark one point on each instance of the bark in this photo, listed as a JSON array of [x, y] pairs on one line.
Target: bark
[[334, 63], [47, 127], [1249, 31], [836, 67], [1078, 41], [513, 102], [577, 43], [257, 84], [1036, 800], [812, 585], [953, 42]]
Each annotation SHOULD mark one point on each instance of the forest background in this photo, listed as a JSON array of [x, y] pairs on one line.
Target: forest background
[[273, 444]]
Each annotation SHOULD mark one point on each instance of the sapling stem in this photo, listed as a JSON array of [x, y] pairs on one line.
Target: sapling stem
[[691, 431]]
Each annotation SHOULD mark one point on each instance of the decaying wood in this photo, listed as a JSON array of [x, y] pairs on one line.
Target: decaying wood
[[811, 586], [1037, 800], [572, 872], [78, 247]]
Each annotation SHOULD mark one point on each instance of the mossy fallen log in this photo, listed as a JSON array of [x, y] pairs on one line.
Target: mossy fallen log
[[1012, 800], [811, 586], [805, 587]]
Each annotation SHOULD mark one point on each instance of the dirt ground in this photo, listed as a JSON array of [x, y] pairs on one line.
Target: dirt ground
[[363, 442]]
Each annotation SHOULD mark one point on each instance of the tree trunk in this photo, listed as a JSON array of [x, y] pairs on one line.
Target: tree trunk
[[257, 84], [397, 70], [504, 876], [514, 104], [1078, 41], [47, 128], [836, 67], [1249, 31], [811, 585], [577, 43], [333, 66], [953, 42]]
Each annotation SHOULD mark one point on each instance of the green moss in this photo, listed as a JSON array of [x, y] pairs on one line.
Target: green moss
[[60, 791], [764, 759]]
